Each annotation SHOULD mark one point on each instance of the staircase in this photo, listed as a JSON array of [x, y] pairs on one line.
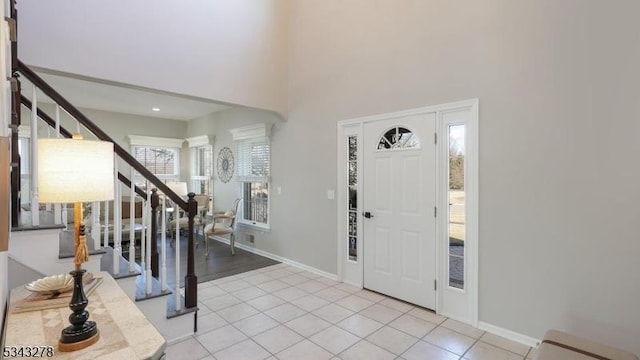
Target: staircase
[[33, 245]]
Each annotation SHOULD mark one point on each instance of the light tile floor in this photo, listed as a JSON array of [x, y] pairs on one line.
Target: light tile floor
[[283, 312]]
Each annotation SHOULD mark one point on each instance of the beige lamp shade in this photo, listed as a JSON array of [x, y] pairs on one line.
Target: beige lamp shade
[[75, 170]]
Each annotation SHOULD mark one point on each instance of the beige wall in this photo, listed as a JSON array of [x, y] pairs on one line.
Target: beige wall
[[229, 51], [558, 84]]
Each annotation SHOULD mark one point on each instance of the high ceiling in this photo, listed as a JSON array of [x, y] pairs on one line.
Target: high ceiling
[[85, 93]]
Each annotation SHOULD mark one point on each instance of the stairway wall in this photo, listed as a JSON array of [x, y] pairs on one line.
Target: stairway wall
[[20, 273], [230, 51]]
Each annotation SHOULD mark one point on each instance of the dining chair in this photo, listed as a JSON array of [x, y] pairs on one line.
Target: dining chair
[[223, 224]]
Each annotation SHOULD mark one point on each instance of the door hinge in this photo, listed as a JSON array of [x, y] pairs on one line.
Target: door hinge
[[435, 211], [435, 285], [435, 138]]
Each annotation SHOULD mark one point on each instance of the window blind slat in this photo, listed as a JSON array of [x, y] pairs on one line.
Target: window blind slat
[[253, 160], [159, 161]]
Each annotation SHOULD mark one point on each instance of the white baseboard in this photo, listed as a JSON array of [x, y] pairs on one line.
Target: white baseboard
[[279, 258], [179, 339], [358, 285], [508, 334]]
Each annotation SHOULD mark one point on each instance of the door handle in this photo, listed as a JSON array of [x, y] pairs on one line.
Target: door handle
[[367, 214]]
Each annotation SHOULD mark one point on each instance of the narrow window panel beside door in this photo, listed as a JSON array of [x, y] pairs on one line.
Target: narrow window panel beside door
[[456, 195]]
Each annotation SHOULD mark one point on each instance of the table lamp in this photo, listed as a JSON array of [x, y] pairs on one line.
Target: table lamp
[[76, 171]]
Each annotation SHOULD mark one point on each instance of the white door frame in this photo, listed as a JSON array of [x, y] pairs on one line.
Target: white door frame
[[458, 304]]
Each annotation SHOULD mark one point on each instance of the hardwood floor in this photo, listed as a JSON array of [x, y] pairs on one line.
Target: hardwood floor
[[219, 264]]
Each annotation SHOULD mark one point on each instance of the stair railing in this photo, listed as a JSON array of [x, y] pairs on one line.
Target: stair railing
[[189, 207]]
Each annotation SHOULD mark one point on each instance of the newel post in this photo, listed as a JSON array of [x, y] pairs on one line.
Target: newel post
[[190, 280], [155, 201]]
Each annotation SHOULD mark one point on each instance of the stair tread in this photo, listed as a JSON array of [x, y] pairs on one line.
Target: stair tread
[[106, 264], [39, 227], [156, 289], [171, 308], [46, 222], [67, 245]]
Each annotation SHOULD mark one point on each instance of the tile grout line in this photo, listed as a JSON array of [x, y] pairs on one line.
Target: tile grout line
[[328, 285]]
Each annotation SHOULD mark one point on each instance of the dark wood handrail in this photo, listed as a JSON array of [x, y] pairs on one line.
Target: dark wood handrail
[[99, 133], [66, 133]]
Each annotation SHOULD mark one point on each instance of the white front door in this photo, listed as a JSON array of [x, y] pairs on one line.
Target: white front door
[[399, 188]]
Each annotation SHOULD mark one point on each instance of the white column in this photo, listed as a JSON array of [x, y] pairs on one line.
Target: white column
[[132, 223], [163, 245], [148, 239], [35, 205]]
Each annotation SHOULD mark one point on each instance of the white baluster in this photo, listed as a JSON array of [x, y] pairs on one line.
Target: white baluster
[[143, 237], [57, 209], [132, 223], [57, 120], [117, 222], [35, 205], [47, 206], [95, 224], [163, 248], [65, 215], [106, 224], [176, 215], [149, 233]]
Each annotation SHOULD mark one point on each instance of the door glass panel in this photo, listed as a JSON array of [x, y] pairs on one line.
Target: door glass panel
[[353, 198], [398, 138], [456, 194]]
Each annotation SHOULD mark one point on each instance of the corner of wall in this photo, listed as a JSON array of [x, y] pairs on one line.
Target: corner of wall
[[4, 125], [3, 292]]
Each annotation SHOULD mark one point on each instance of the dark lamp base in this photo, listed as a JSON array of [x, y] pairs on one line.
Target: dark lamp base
[[81, 333], [72, 339]]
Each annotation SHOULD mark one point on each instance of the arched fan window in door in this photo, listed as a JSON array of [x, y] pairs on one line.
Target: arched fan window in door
[[398, 138]]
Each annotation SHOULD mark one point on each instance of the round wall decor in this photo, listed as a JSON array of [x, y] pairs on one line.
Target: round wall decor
[[225, 164]]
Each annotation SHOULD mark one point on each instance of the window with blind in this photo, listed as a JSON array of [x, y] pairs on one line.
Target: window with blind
[[253, 171], [162, 162], [201, 169]]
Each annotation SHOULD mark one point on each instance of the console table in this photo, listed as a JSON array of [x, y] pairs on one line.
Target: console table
[[125, 333]]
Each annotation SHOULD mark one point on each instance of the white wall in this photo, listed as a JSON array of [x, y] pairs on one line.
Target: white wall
[[230, 51], [558, 83]]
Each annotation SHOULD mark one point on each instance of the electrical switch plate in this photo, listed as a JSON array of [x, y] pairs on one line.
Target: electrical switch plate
[[331, 194]]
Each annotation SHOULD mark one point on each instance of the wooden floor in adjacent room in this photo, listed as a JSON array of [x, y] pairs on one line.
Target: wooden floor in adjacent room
[[219, 264]]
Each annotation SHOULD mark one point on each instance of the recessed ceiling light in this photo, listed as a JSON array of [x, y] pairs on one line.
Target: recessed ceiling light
[[155, 109]]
